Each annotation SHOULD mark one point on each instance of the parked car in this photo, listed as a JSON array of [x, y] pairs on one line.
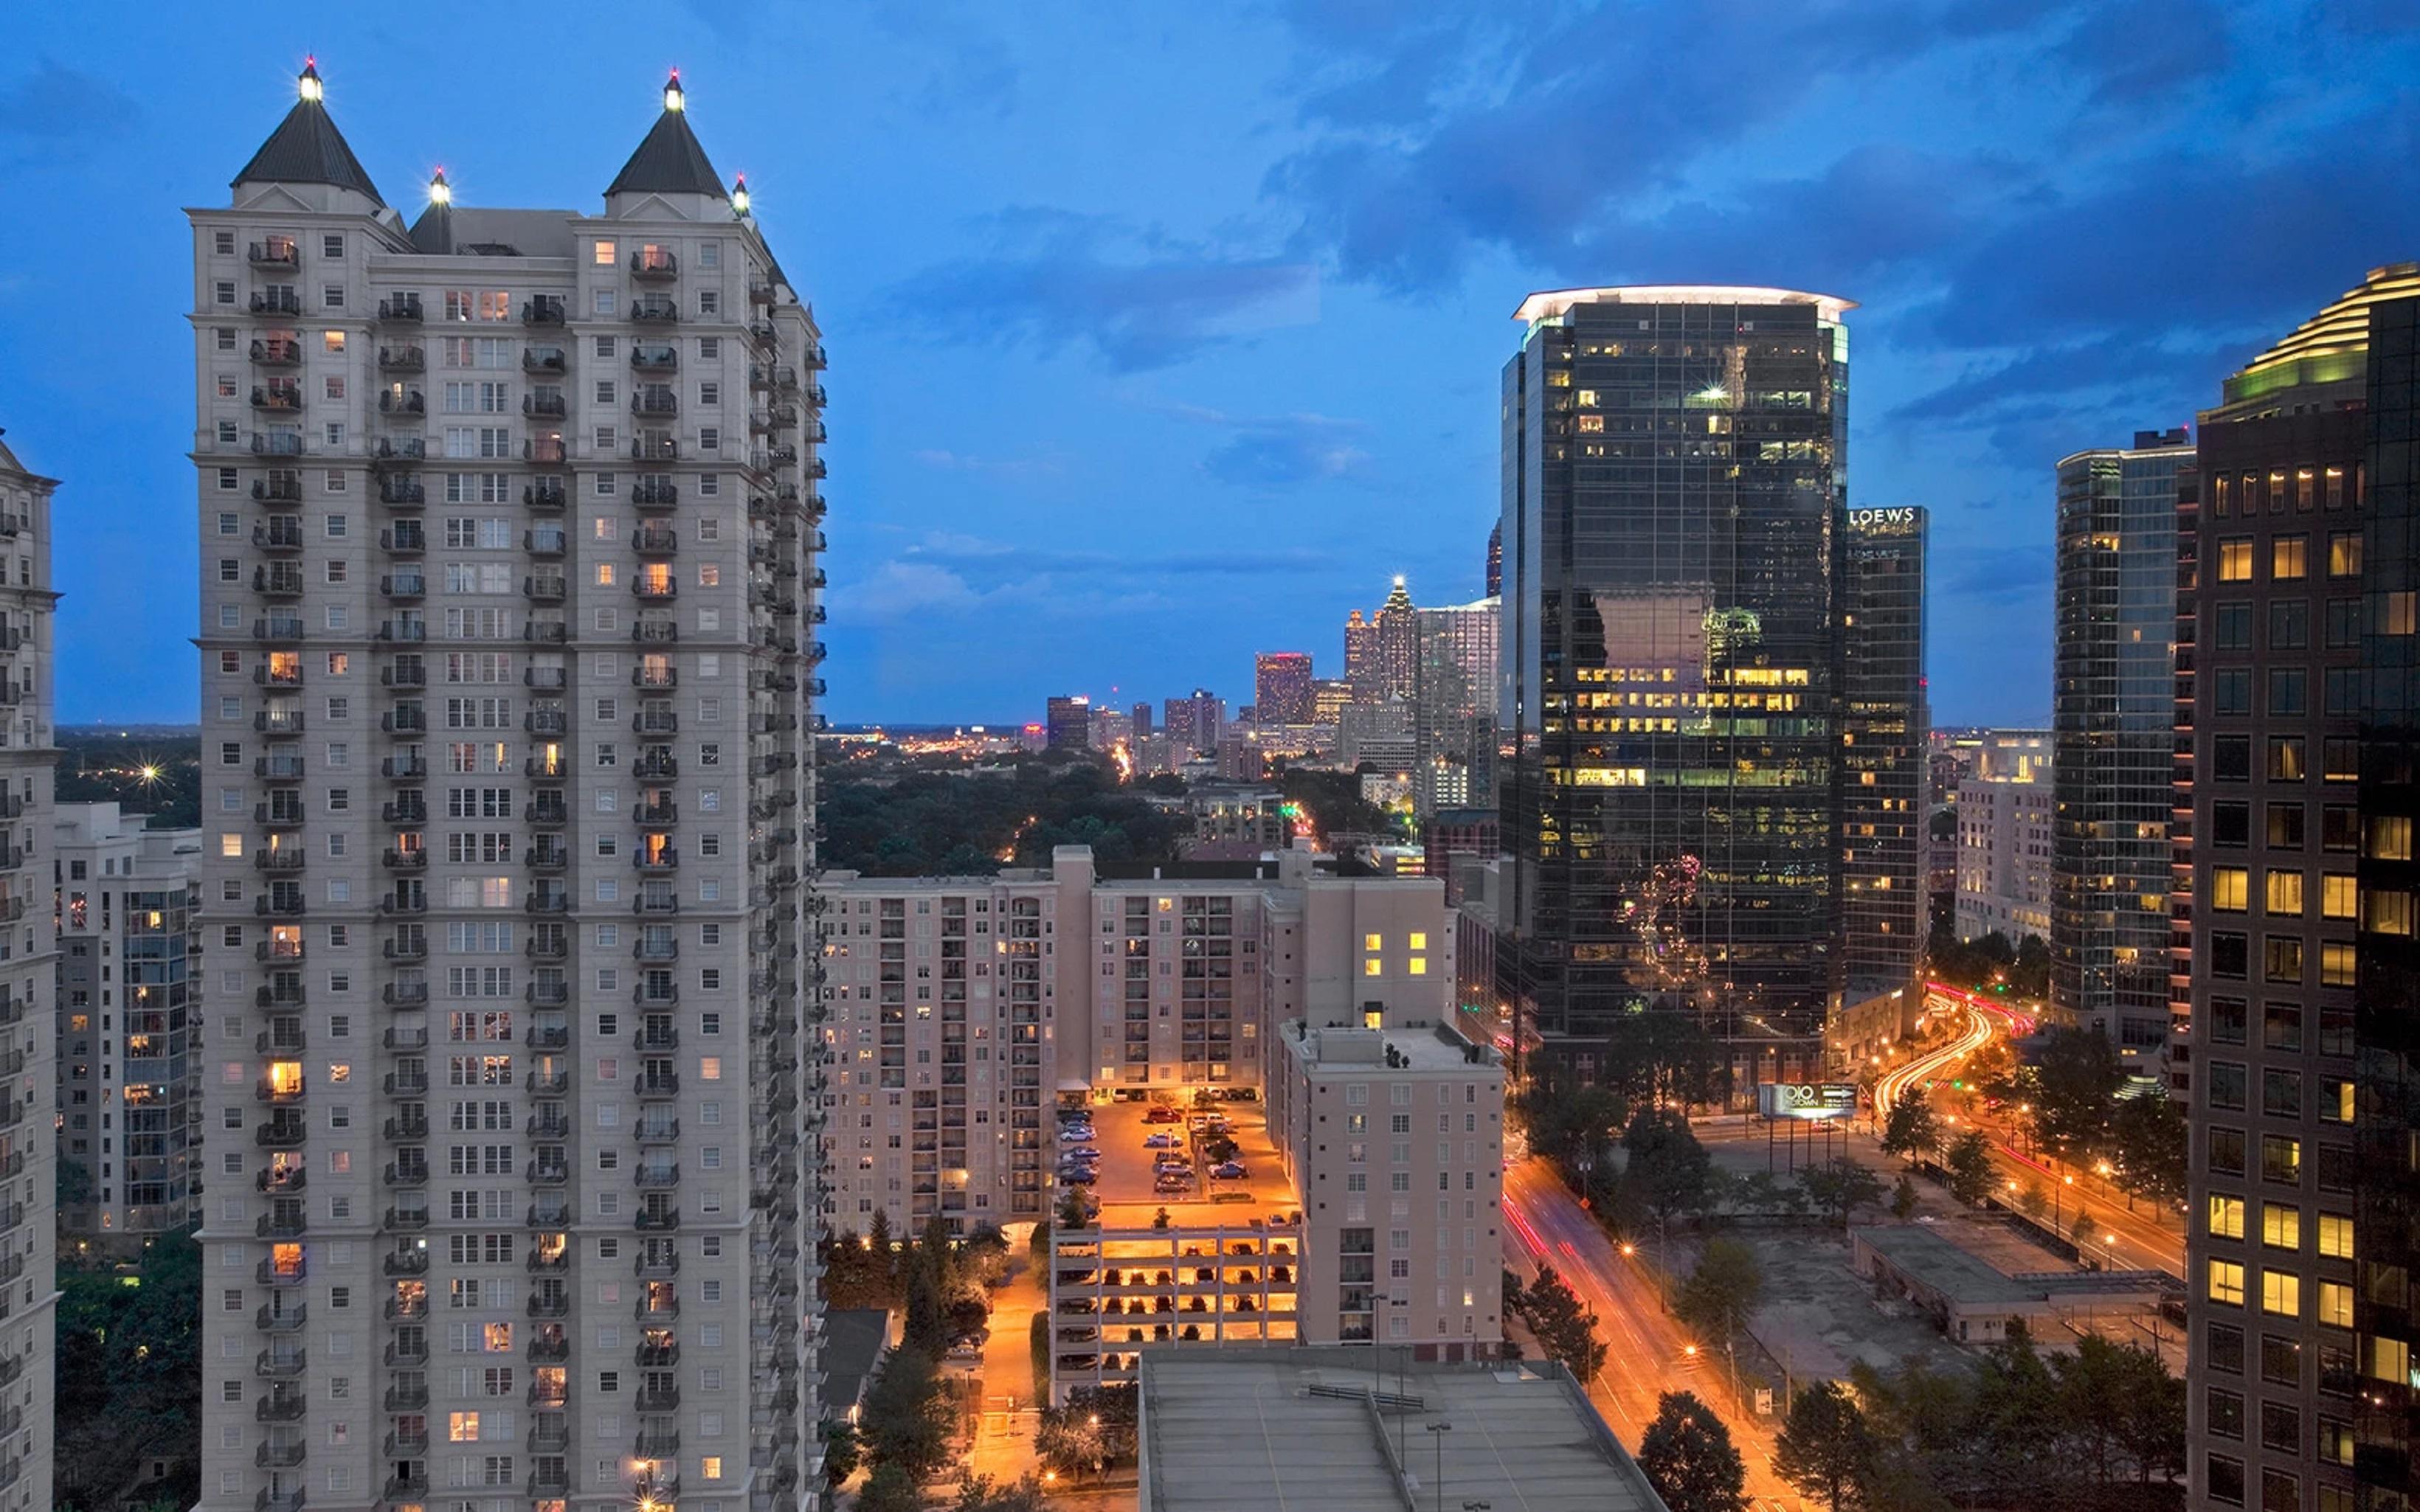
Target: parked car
[[1172, 1183], [1081, 1176], [1231, 1171], [1173, 1165], [1159, 1141], [1082, 1152], [1161, 1113], [1075, 1133]]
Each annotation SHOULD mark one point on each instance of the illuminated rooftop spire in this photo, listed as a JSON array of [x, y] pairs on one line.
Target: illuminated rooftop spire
[[739, 194], [673, 98], [307, 85], [306, 148], [439, 192]]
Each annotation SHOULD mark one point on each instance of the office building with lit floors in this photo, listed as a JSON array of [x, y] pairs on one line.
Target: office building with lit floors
[[2296, 930], [130, 1025], [1884, 726], [1674, 459], [28, 1046], [2113, 715], [508, 525]]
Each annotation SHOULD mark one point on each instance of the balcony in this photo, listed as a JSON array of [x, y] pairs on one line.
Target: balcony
[[271, 1273], [277, 859], [545, 496], [402, 403], [406, 1396], [278, 630], [654, 262], [658, 722], [406, 1486], [404, 769], [549, 1347], [403, 359], [657, 765], [405, 1219], [654, 590], [278, 816], [278, 949], [276, 443], [547, 947], [409, 1126], [276, 302], [543, 360], [649, 357], [656, 1085], [546, 1083], [658, 1129], [655, 493], [286, 1319], [404, 674], [658, 1443], [660, 862], [655, 449], [665, 1175], [281, 579], [544, 406], [407, 1084], [406, 1042], [647, 541], [405, 1263], [542, 310], [551, 1213], [404, 540], [654, 632], [547, 899], [278, 351], [278, 487], [283, 1224], [547, 724], [279, 1407], [542, 1174], [269, 1501], [412, 811], [654, 309], [413, 859], [406, 1176], [549, 858], [544, 587], [655, 400], [657, 903], [280, 1180], [407, 1445], [549, 452], [553, 814], [548, 993], [549, 541], [655, 1220], [404, 587], [400, 309]]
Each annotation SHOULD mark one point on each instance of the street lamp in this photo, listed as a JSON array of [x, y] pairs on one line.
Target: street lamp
[[1438, 1432]]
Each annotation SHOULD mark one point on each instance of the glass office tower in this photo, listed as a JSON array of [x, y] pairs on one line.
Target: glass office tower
[[2113, 717], [1884, 721], [1673, 475]]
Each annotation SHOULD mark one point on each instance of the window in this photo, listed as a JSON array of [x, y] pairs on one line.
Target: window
[[2226, 1413], [2285, 825], [2289, 692], [2289, 624], [2225, 1217], [2335, 1236], [2230, 692], [2235, 560], [2225, 1350], [2227, 1282], [2230, 888], [2286, 758], [2281, 1293], [2344, 553], [2284, 898], [2281, 1159], [2336, 1304], [2289, 558], [2225, 1151], [2231, 628]]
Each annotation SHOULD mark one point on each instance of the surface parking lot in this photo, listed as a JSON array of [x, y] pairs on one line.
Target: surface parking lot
[[1125, 1189]]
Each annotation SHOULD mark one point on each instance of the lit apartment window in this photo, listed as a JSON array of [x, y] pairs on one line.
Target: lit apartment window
[[2227, 1282]]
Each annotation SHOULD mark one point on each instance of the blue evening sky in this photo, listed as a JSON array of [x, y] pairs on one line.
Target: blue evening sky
[[1163, 334]]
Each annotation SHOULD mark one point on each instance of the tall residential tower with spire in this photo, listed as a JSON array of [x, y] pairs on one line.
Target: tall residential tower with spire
[[510, 596]]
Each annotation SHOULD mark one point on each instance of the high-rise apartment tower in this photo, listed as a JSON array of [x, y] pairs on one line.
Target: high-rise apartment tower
[[1884, 725], [30, 1093], [508, 529]]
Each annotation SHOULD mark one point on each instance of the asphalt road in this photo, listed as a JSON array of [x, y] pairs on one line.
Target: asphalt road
[[1647, 1354]]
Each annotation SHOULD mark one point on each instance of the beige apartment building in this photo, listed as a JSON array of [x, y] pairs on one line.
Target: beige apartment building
[[508, 538], [28, 954], [963, 1008], [2005, 831], [128, 1022]]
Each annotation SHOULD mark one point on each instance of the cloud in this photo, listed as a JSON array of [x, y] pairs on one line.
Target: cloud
[[1545, 136], [59, 109], [1046, 465], [900, 589], [1017, 560], [2137, 49], [1272, 453], [1051, 280], [2000, 574]]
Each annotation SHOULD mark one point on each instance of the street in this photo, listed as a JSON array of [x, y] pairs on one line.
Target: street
[[1647, 1353]]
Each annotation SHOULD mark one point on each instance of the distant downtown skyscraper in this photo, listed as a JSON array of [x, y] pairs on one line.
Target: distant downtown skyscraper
[[1672, 471], [2113, 726], [1885, 725], [1395, 645], [1282, 693], [515, 1118], [1496, 561], [1193, 723], [2302, 692], [1067, 722]]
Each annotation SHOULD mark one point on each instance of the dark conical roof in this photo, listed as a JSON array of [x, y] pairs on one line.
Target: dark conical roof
[[669, 162], [306, 149], [434, 231]]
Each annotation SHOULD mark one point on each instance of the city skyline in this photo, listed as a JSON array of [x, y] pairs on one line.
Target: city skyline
[[1151, 324]]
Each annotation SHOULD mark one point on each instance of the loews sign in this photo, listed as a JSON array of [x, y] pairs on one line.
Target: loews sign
[[1898, 518]]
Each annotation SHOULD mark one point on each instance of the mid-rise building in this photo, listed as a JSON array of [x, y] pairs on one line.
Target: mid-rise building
[[1329, 697], [1671, 653], [1449, 835], [1282, 689], [1884, 725], [963, 1007], [1067, 722], [2004, 838], [2113, 719], [1360, 654], [508, 533], [2294, 931], [28, 945], [129, 1023], [1140, 721]]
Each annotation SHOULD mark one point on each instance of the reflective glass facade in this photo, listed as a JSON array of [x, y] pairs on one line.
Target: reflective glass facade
[[2113, 715], [1884, 721], [1673, 483]]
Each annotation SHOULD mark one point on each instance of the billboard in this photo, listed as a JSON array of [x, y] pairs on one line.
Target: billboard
[[1805, 1100]]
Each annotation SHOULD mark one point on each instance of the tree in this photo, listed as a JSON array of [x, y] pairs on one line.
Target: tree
[[1913, 1128], [842, 1451], [1565, 1331], [1159, 1219], [1568, 1121], [127, 1374], [2147, 1137], [1514, 1296], [1073, 1211], [981, 1493], [1971, 1177], [1670, 1172], [1093, 1432], [2078, 1074], [1721, 1292], [2030, 1200], [1688, 1456], [908, 1416], [1664, 1057], [74, 1183], [1838, 1190], [1825, 1448], [1903, 1199]]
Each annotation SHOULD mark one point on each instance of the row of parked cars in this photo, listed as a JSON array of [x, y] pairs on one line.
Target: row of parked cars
[[1172, 1170]]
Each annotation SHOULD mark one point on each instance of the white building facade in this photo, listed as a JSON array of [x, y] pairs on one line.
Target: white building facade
[[29, 1046], [129, 1022], [2005, 823], [508, 530]]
